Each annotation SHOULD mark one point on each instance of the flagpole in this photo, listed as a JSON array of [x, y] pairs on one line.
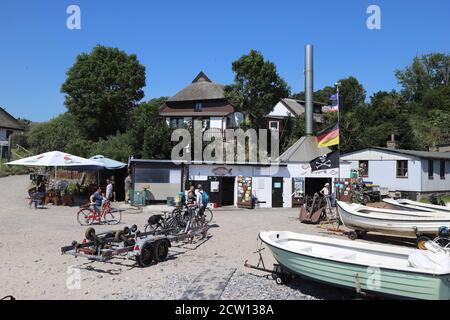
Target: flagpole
[[337, 84]]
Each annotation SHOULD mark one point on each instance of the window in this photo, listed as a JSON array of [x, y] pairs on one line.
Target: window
[[8, 133], [152, 175], [442, 170], [364, 168], [402, 168], [205, 124], [176, 122], [273, 125], [198, 107], [430, 169]]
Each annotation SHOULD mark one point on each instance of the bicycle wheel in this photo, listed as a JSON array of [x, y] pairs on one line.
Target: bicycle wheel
[[85, 217], [112, 217], [208, 215]]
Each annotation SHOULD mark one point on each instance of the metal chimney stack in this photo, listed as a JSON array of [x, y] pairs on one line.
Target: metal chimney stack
[[309, 88]]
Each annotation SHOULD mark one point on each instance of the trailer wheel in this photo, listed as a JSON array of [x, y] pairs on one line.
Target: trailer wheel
[[420, 242], [352, 235], [90, 234], [118, 236], [279, 280], [161, 250], [145, 258]]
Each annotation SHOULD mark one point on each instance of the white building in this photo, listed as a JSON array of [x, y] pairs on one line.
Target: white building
[[413, 173], [202, 100], [285, 108], [8, 126]]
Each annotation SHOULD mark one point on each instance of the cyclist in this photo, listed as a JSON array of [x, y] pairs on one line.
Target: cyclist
[[97, 199]]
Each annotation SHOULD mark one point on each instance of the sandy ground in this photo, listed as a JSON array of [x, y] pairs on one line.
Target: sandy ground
[[33, 268]]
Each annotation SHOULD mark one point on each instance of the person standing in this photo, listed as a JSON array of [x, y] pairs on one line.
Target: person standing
[[113, 182], [327, 194], [109, 190], [128, 187]]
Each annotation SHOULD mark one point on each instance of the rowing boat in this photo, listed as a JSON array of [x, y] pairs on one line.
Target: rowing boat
[[395, 222], [405, 204], [380, 269]]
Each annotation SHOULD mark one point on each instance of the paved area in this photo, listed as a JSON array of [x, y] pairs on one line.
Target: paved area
[[33, 268]]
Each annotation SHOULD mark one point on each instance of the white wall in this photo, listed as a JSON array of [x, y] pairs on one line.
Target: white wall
[[262, 189], [435, 184], [384, 174], [279, 110], [262, 180], [3, 133]]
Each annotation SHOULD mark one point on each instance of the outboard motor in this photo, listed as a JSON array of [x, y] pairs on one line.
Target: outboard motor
[[444, 232]]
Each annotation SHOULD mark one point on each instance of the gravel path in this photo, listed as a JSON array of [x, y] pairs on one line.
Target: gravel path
[[33, 268]]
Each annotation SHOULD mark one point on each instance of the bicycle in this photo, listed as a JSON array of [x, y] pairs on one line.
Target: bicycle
[[87, 215], [207, 213], [167, 221]]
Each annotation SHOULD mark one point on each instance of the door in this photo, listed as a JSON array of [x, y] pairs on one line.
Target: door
[[277, 192], [227, 191]]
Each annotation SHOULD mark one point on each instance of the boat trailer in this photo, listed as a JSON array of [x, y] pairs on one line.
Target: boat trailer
[[144, 247], [278, 273]]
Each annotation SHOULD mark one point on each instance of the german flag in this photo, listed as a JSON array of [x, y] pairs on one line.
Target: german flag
[[329, 136]]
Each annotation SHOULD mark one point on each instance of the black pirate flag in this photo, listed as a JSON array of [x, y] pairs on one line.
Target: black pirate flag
[[327, 161]]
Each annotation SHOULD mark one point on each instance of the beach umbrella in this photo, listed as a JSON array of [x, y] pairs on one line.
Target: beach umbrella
[[59, 159], [109, 164]]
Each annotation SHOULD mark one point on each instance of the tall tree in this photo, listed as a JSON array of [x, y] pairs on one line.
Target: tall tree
[[60, 133], [351, 94], [149, 132], [101, 88], [427, 72], [257, 86]]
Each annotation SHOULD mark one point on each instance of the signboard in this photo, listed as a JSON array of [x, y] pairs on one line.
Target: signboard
[[214, 186], [298, 188], [244, 192]]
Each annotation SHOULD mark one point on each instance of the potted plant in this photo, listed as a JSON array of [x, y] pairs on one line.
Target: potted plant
[[69, 193]]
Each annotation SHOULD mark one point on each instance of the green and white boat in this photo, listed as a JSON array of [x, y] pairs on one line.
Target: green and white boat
[[375, 268]]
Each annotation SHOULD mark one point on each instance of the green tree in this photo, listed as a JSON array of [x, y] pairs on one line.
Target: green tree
[[149, 132], [116, 147], [60, 133], [426, 72], [257, 86], [351, 94], [100, 90], [294, 129]]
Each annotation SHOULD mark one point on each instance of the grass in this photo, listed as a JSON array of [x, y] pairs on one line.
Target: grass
[[6, 170], [445, 198]]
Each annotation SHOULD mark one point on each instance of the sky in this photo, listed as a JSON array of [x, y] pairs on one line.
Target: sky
[[175, 39]]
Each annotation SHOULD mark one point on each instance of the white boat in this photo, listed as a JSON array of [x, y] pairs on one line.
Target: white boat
[[408, 223], [380, 269], [405, 204]]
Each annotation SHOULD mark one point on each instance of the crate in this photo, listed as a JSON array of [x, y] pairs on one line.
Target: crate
[[138, 198]]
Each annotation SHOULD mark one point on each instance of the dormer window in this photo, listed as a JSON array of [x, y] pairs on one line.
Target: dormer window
[[198, 107]]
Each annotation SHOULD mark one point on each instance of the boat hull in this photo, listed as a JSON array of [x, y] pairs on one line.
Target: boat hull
[[391, 224], [376, 280]]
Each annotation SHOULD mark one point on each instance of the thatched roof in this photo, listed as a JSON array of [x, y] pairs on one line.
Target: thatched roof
[[201, 88], [8, 121]]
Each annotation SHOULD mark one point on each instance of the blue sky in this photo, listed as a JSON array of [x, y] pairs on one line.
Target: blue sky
[[175, 39]]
